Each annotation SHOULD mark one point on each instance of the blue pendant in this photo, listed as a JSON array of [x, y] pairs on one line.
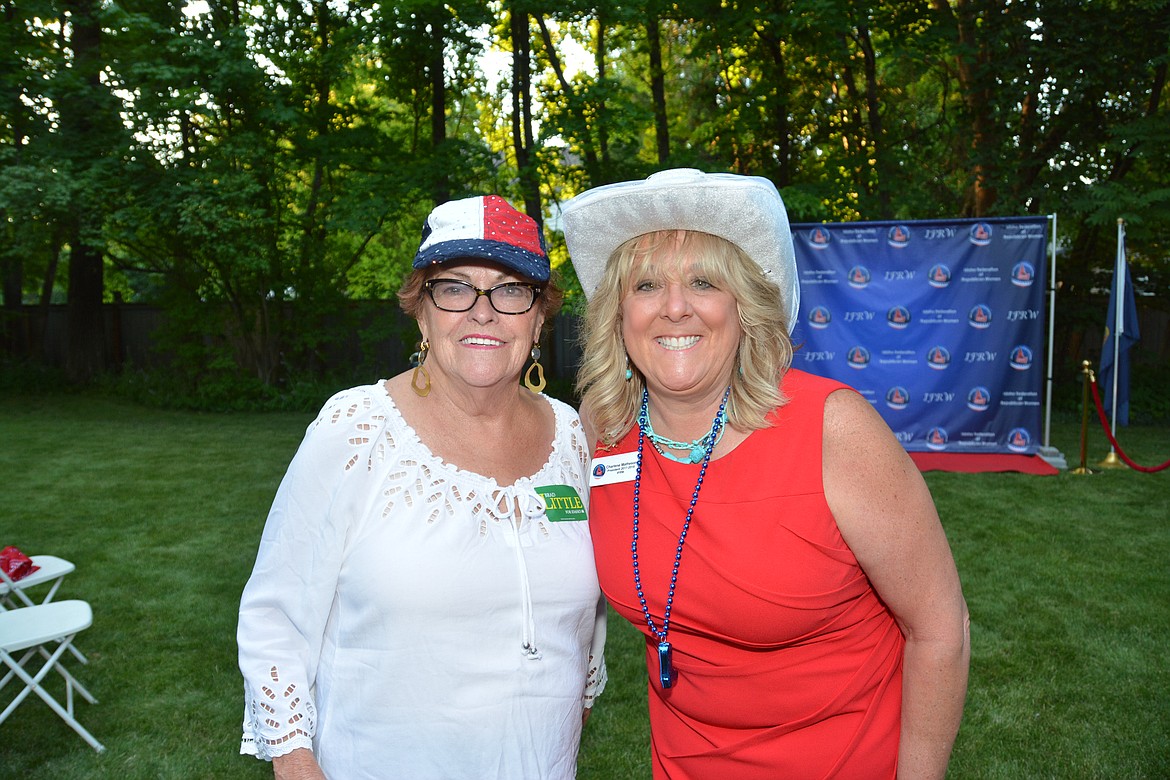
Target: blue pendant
[[667, 676]]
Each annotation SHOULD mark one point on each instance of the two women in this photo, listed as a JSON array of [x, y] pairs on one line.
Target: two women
[[417, 611]]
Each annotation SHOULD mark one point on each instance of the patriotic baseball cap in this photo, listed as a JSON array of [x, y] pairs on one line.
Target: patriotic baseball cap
[[485, 227]]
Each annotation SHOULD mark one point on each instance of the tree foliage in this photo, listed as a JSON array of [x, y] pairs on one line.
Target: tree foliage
[[241, 162]]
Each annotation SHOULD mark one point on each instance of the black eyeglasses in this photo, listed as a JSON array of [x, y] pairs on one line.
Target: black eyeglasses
[[506, 298]]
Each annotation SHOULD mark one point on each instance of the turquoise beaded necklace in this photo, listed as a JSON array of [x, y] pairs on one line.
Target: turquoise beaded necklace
[[694, 449], [666, 672]]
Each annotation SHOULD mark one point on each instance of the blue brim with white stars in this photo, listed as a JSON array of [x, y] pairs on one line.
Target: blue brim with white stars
[[485, 227], [745, 210]]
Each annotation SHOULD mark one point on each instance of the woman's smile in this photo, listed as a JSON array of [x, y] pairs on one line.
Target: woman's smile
[[677, 342]]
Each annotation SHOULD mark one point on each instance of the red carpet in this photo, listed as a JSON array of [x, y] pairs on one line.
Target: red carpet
[[975, 464]]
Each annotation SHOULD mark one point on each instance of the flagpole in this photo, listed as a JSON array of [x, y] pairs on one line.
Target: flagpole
[[1118, 318], [1119, 280], [1051, 337], [1047, 451]]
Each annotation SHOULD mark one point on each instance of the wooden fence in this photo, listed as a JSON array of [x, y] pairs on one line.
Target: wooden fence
[[132, 340]]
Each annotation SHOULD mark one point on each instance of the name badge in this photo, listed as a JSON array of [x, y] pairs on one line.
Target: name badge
[[614, 468], [562, 503]]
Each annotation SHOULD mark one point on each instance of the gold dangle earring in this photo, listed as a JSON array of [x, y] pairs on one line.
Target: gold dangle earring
[[418, 358], [539, 384]]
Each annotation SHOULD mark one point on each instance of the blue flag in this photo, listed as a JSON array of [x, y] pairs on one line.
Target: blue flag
[[1118, 340]]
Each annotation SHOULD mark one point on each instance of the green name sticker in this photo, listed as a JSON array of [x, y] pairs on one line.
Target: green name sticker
[[562, 503]]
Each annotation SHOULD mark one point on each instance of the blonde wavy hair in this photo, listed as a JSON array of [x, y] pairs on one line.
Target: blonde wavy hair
[[764, 353]]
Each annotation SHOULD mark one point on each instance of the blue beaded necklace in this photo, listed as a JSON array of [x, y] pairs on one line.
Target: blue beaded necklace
[[666, 671]]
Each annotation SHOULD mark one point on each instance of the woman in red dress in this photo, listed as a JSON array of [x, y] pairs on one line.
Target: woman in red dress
[[760, 525]]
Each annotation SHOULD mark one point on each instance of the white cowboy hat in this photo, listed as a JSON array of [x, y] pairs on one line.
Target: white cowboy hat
[[745, 210]]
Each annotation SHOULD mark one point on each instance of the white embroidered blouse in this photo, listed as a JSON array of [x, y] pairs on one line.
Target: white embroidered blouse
[[399, 624]]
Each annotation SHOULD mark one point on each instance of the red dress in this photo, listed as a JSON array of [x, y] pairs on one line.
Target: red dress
[[789, 666]]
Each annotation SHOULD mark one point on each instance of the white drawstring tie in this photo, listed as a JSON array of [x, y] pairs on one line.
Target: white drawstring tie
[[506, 502]]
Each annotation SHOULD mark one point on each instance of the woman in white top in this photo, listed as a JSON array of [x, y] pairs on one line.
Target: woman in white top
[[424, 602]]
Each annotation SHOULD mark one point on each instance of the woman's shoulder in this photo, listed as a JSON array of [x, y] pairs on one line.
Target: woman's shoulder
[[796, 380], [562, 410], [363, 406], [568, 420], [349, 428], [351, 394], [569, 439], [805, 394]]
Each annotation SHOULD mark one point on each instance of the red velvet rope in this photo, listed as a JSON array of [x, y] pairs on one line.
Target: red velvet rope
[[1113, 441]]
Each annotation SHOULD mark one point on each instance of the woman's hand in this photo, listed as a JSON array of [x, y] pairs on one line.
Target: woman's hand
[[297, 765]]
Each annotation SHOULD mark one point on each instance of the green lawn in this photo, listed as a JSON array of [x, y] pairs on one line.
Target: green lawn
[[1066, 577]]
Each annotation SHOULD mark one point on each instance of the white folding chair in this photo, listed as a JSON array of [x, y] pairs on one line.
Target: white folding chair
[[44, 631], [52, 570], [13, 593]]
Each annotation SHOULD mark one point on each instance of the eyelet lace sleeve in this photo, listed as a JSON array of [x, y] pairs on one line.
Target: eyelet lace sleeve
[[286, 603], [596, 676], [277, 720]]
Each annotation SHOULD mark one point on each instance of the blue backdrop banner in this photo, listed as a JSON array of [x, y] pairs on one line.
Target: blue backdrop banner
[[939, 324]]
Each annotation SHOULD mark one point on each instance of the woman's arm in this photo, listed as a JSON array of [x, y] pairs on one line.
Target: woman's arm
[[287, 600], [297, 765], [597, 676], [887, 517]]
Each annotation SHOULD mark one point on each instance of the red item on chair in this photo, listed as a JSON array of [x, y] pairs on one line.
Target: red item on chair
[[16, 564]]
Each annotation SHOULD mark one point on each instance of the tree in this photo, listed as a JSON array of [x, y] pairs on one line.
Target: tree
[[1066, 109], [243, 164], [34, 200], [90, 153]]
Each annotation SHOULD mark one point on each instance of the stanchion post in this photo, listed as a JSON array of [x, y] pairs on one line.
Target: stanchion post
[[1111, 461], [1087, 371]]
